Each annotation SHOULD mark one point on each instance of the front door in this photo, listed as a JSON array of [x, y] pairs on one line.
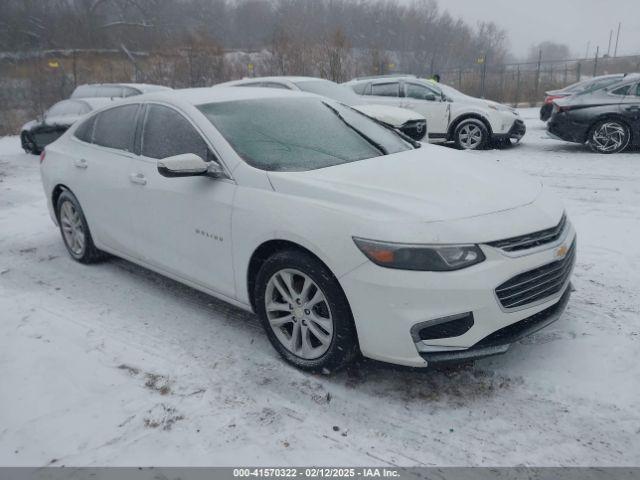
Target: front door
[[183, 224], [428, 102]]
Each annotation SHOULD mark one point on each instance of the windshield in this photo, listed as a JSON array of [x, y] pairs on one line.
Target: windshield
[[452, 93], [68, 107], [299, 134], [331, 90]]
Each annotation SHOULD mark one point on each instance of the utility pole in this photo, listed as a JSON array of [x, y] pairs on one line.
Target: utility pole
[[610, 38], [615, 52], [595, 63]]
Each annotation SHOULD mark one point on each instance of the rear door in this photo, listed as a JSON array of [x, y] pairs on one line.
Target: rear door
[[102, 164], [183, 225], [428, 102], [384, 93]]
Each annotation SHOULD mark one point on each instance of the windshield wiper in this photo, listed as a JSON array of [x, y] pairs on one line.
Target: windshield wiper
[[370, 140]]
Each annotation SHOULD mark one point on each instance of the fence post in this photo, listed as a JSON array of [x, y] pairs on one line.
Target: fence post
[[537, 84], [483, 75], [578, 71], [460, 79], [517, 99], [595, 63]]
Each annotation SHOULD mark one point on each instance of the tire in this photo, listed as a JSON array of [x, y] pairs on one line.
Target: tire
[[75, 231], [28, 144], [609, 136], [287, 273], [471, 134]]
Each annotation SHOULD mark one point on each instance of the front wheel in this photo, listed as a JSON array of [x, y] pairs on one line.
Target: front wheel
[[471, 134], [609, 136], [304, 312]]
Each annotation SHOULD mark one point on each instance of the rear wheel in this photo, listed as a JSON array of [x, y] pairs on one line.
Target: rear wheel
[[609, 136], [75, 231], [304, 312], [471, 134]]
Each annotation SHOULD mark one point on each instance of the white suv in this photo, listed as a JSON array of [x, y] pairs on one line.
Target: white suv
[[472, 123]]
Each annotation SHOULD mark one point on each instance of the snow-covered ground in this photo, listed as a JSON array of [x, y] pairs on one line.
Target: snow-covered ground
[[112, 364]]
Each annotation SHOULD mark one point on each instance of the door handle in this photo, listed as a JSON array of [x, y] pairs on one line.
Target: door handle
[[138, 178], [81, 163]]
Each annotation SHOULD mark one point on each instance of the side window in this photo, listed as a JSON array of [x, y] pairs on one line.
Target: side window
[[420, 92], [638, 90], [385, 89], [85, 131], [167, 133], [115, 128], [622, 90]]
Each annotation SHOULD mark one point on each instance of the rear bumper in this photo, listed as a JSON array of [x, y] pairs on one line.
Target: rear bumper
[[563, 127]]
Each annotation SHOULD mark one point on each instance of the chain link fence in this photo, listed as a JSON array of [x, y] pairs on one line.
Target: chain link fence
[[524, 84]]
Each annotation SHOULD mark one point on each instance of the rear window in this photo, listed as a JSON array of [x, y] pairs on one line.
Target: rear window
[[86, 91], [115, 128]]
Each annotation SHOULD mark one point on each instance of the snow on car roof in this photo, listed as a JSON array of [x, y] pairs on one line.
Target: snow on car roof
[[200, 96]]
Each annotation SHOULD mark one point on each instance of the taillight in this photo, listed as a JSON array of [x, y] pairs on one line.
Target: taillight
[[42, 155], [551, 98]]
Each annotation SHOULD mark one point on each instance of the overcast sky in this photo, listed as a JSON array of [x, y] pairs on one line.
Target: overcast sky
[[573, 22]]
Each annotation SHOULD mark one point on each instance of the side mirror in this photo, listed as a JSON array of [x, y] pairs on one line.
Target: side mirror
[[188, 165], [185, 165]]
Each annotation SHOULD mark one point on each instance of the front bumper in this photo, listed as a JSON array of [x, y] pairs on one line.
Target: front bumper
[[388, 304], [516, 132]]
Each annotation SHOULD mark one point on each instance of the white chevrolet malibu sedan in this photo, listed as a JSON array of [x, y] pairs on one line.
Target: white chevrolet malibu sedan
[[343, 237]]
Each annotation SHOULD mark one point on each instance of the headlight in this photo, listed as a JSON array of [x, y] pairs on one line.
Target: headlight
[[431, 258]]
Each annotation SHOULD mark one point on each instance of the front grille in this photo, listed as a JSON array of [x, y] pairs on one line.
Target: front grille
[[530, 240], [416, 129], [537, 284]]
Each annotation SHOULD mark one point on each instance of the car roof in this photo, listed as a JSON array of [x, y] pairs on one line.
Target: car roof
[[276, 78], [218, 94], [94, 102], [143, 87]]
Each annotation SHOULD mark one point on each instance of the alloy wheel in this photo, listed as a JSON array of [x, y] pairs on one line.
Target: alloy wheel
[[299, 314], [470, 136], [609, 137], [72, 228]]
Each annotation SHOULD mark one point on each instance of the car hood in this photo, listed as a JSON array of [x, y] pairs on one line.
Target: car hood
[[395, 116], [429, 184]]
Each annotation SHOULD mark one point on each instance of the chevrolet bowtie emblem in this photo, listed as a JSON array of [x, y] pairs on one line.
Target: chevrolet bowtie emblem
[[561, 252]]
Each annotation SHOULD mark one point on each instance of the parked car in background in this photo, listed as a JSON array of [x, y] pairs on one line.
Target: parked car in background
[[410, 123], [115, 90], [340, 235], [584, 86], [608, 120], [471, 123], [37, 134]]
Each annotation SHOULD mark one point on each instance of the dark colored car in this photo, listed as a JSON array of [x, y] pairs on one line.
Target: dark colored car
[[584, 86], [608, 120], [39, 133]]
